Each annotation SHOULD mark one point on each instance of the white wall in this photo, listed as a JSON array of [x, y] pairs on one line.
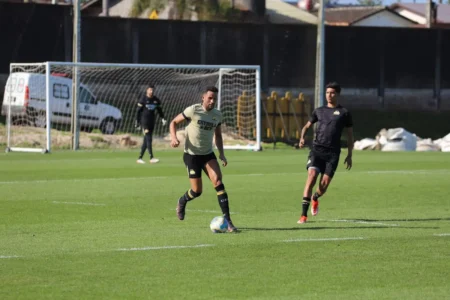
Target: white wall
[[384, 19]]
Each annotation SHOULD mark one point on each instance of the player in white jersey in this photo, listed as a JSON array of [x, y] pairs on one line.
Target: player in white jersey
[[204, 123]]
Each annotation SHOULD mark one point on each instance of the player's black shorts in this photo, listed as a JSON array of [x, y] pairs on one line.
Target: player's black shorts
[[147, 128], [196, 163], [323, 160]]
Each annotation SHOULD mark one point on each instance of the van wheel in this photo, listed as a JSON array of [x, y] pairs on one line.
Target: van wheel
[[108, 126], [40, 120]]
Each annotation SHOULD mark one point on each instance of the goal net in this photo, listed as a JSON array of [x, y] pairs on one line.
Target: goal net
[[58, 105]]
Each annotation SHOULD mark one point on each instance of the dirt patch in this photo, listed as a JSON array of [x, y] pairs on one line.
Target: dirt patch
[[35, 137]]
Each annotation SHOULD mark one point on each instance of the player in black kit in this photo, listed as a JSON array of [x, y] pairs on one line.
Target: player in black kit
[[324, 156], [146, 120]]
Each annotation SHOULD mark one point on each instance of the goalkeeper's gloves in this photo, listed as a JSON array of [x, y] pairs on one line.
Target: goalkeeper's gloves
[[163, 121]]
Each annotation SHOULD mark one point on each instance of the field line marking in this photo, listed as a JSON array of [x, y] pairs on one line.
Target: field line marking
[[206, 211], [323, 239], [8, 256], [402, 172], [364, 222], [82, 180], [441, 234], [436, 171], [165, 247], [80, 203]]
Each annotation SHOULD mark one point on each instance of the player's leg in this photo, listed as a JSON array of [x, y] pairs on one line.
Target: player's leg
[[315, 166], [143, 148], [148, 134], [194, 170], [212, 169], [331, 165]]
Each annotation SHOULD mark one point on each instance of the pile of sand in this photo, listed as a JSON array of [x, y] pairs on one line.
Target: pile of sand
[[35, 137]]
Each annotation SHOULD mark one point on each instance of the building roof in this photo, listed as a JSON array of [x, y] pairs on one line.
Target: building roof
[[443, 10], [350, 15]]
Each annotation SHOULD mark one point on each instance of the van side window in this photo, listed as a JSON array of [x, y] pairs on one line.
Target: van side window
[[12, 85], [21, 85], [61, 91], [86, 96]]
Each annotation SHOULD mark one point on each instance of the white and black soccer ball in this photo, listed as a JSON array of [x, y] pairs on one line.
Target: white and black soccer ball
[[219, 225]]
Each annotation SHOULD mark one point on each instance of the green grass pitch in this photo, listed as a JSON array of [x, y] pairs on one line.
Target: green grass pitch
[[96, 225]]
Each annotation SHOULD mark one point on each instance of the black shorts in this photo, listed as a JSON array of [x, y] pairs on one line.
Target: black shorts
[[196, 163], [147, 129], [325, 162]]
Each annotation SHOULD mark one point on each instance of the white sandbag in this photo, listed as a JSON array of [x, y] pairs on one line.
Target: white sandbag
[[443, 143], [427, 145], [365, 144], [398, 139], [445, 146]]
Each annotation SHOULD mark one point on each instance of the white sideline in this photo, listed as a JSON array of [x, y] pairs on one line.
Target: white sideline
[[323, 239], [81, 180], [441, 234], [401, 172], [364, 222], [8, 256], [164, 247], [207, 211], [80, 203]]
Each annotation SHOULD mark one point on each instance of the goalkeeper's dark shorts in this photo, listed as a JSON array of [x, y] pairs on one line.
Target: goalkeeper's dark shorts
[[325, 162], [147, 127], [196, 163]]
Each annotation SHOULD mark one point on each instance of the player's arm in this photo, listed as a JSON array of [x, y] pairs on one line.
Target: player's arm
[[219, 144], [139, 113], [173, 129], [160, 113], [349, 125], [313, 119], [348, 159], [350, 141], [303, 133]]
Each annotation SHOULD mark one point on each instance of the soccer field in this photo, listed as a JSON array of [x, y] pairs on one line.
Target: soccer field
[[96, 225]]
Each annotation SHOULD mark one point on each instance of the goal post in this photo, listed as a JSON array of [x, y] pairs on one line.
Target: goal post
[[40, 101], [18, 113]]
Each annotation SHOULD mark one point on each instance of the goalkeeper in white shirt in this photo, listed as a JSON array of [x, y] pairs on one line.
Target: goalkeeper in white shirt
[[146, 119]]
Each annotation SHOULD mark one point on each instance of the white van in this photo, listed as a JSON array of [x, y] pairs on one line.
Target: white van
[[26, 93]]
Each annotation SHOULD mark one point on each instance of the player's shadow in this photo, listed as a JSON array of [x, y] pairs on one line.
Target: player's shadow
[[333, 228], [377, 226]]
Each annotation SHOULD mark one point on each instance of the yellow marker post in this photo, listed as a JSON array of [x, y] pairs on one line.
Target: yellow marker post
[[153, 15]]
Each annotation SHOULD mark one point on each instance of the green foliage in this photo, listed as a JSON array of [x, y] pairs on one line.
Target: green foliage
[[139, 6]]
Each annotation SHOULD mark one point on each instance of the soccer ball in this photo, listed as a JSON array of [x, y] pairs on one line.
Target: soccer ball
[[219, 225]]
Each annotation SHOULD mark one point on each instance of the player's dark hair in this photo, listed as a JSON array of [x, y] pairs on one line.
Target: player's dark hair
[[150, 86], [211, 89], [335, 86]]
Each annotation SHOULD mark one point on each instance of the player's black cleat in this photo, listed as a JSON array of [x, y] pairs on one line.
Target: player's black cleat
[[231, 227], [181, 209]]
